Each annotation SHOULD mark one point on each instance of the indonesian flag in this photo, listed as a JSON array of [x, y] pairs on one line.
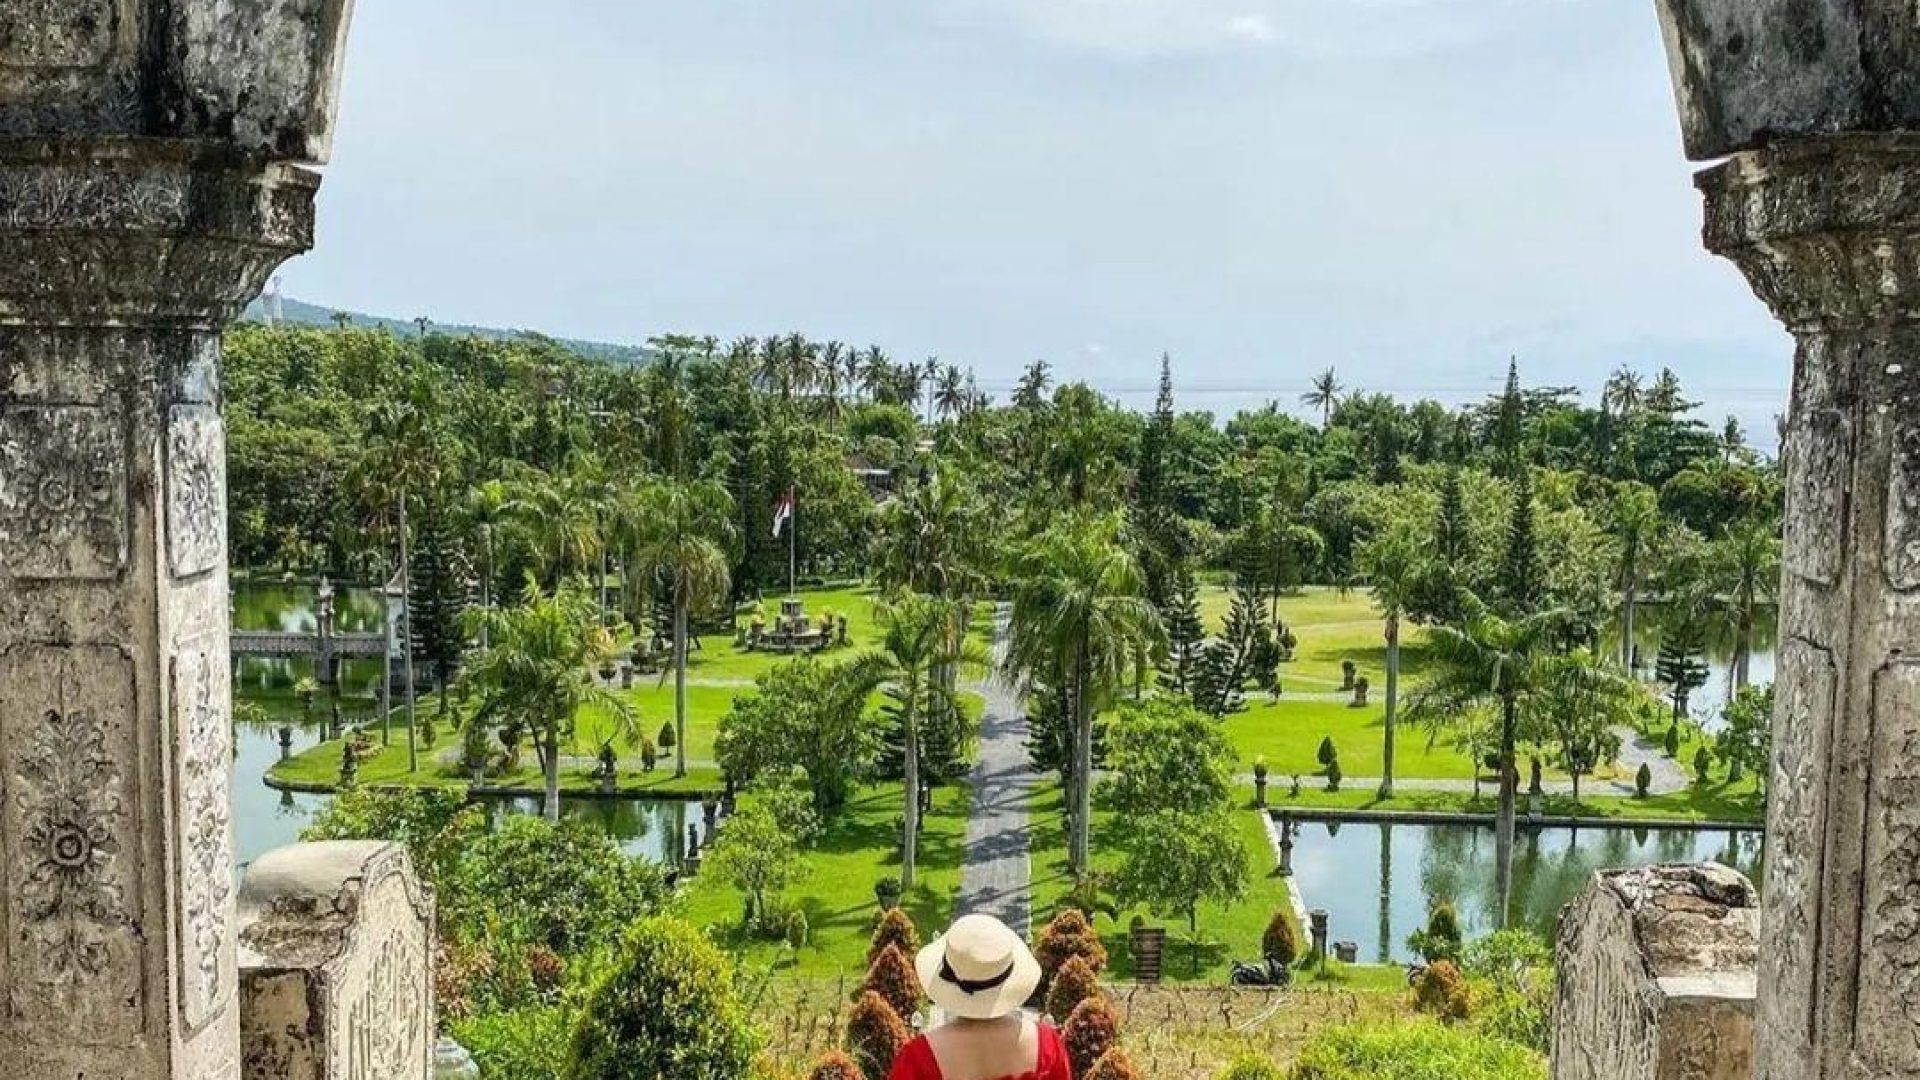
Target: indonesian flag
[[782, 513]]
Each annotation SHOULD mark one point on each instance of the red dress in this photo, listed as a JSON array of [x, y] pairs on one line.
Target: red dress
[[916, 1060]]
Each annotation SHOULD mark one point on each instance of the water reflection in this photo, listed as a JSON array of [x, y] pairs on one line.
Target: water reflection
[[1378, 880]]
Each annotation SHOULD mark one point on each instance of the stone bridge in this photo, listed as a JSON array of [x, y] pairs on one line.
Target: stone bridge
[[287, 644]]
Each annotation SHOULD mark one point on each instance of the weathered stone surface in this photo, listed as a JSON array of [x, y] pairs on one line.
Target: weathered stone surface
[[1827, 229], [335, 965], [145, 196], [1656, 977], [1751, 73], [256, 75]]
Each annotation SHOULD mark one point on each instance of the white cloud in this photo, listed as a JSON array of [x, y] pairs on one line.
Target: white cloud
[[1316, 28]]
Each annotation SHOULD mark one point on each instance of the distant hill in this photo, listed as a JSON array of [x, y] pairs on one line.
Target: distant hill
[[301, 313]]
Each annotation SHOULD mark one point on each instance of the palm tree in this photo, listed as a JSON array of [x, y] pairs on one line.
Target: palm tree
[[562, 519], [1744, 569], [950, 393], [1635, 517], [876, 372], [916, 644], [402, 461], [1080, 625], [1031, 391], [1623, 392], [682, 531], [1489, 662], [828, 378], [541, 671], [1395, 565], [1324, 396], [488, 511]]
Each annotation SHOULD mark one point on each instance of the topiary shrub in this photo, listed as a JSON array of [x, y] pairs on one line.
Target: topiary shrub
[[516, 1043], [1334, 775], [894, 928], [892, 977], [1703, 765], [664, 1009], [1440, 939], [1074, 983], [1091, 1031], [1252, 1068], [1642, 781], [1414, 1050], [797, 932], [1441, 991], [649, 755], [1069, 934], [1673, 740], [835, 1065], [1327, 752], [1281, 941], [1113, 1065], [875, 1035], [666, 738]]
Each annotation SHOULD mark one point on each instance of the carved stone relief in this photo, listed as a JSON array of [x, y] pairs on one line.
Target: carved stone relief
[[62, 493], [202, 726], [1796, 836], [196, 501], [1819, 446], [70, 839], [57, 33], [1887, 1016]]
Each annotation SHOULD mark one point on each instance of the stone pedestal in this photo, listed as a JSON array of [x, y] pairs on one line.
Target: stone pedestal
[[143, 201], [336, 965], [1818, 202], [1655, 972]]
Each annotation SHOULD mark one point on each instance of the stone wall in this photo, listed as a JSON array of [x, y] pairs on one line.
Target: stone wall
[[1655, 977], [336, 963]]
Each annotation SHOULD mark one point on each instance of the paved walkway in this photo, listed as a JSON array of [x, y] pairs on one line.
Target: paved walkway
[[997, 876]]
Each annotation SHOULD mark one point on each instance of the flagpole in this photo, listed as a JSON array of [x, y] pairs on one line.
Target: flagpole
[[793, 544]]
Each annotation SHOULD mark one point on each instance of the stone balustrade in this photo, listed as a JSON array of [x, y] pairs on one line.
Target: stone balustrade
[[336, 954], [1655, 977]]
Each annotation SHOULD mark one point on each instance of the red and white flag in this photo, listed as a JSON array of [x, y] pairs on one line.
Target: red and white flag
[[782, 513]]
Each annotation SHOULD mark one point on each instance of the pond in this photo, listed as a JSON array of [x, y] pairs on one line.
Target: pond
[[1378, 880], [265, 819]]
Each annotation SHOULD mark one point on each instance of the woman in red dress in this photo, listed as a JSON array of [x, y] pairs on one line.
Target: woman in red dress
[[978, 974]]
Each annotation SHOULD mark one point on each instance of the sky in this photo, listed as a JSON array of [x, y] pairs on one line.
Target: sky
[[1408, 191]]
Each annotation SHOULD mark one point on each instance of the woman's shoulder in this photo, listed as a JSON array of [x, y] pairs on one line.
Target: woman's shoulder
[[916, 1061]]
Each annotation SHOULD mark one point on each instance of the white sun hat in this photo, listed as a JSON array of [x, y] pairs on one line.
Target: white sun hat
[[978, 969]]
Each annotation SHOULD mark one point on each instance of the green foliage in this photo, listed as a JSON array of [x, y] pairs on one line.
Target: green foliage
[[1440, 938], [757, 854], [1703, 765], [521, 1044], [1244, 651], [1327, 752], [1334, 774], [1746, 741], [666, 738], [1173, 861], [1642, 781], [435, 826], [1414, 1051], [805, 714], [566, 886], [1517, 970], [1163, 754], [1671, 743], [665, 1009], [1281, 941]]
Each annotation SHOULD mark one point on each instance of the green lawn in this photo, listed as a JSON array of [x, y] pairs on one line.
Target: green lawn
[[1720, 802], [836, 888], [1288, 734]]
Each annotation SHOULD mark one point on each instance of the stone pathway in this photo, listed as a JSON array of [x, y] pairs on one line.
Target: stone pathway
[[997, 875]]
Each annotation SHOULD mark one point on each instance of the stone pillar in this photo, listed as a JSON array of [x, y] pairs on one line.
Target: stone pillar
[[336, 961], [145, 196], [1655, 977], [1814, 105]]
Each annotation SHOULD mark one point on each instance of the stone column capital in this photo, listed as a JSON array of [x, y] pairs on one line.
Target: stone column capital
[[143, 230], [1826, 229]]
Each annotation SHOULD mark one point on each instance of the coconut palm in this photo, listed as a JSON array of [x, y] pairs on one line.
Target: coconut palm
[[950, 392], [1080, 625], [561, 519], [1744, 571], [1635, 517], [1396, 565], [403, 460], [1324, 396], [681, 535], [1489, 662], [876, 372], [541, 672], [487, 512], [917, 643]]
